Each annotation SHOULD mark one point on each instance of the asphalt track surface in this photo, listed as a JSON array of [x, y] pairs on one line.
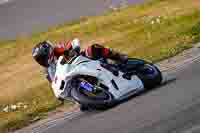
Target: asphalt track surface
[[23, 17], [171, 108]]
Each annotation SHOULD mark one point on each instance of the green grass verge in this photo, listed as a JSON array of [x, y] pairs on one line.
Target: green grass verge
[[38, 104], [152, 31]]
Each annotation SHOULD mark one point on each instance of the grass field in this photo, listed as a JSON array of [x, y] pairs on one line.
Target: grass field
[[154, 31]]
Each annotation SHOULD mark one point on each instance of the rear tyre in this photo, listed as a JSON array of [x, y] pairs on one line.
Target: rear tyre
[[150, 75], [146, 71]]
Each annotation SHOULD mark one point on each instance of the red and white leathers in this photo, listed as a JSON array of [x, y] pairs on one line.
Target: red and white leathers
[[94, 51]]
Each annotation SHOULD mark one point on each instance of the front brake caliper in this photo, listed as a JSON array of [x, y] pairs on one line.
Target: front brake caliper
[[87, 86]]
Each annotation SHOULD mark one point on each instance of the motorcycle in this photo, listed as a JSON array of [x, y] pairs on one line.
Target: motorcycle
[[99, 84]]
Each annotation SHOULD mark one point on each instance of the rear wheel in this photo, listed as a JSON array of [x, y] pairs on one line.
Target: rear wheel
[[150, 75], [146, 71]]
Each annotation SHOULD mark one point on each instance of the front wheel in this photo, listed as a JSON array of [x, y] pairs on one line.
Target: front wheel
[[86, 96]]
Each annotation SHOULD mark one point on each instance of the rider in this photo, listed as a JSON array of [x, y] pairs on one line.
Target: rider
[[46, 54]]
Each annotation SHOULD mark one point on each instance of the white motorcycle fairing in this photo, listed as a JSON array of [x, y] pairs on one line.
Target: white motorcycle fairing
[[118, 86]]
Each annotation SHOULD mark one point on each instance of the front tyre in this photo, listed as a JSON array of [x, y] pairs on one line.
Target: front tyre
[[86, 98]]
